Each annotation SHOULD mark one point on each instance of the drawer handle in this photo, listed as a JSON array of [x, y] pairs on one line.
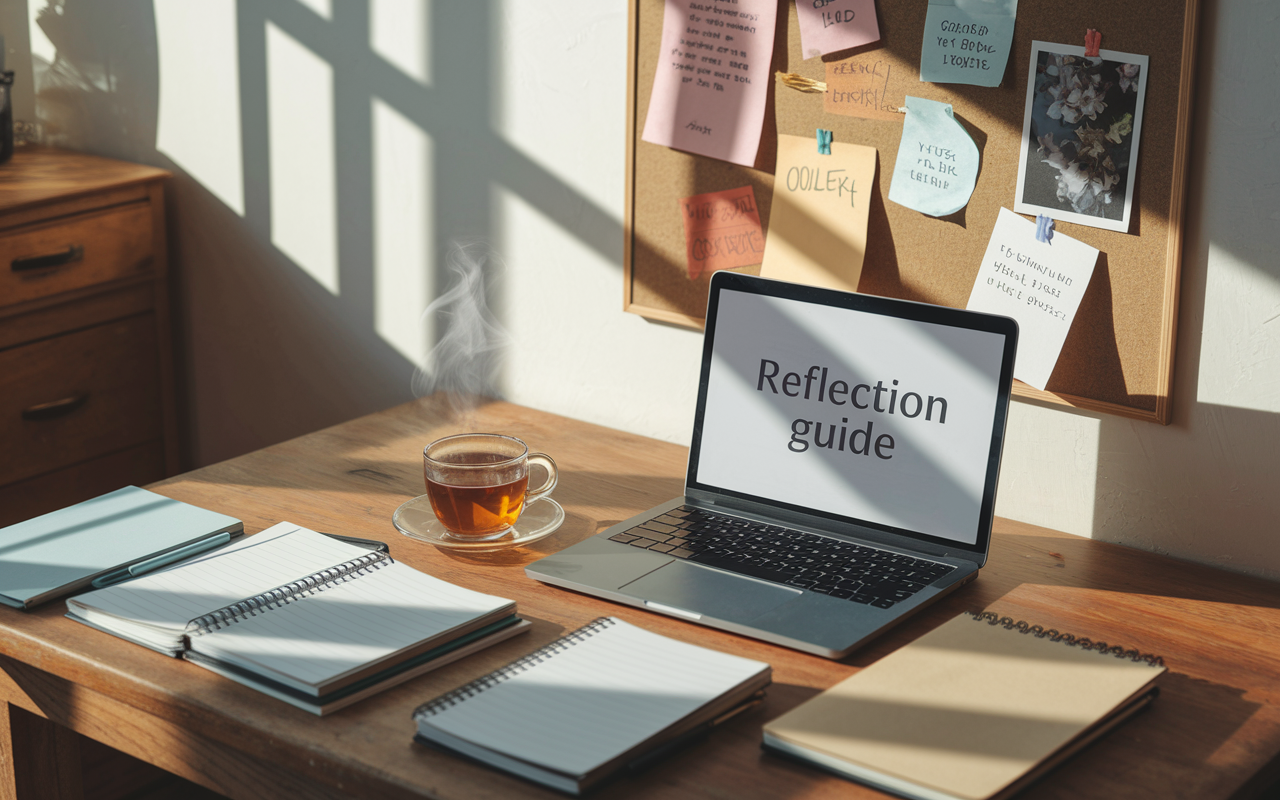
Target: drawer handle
[[55, 408], [73, 253]]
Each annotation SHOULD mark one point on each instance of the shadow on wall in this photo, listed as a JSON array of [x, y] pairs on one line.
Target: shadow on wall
[[268, 351], [1203, 488]]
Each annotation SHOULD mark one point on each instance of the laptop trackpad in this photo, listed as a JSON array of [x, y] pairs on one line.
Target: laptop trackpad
[[709, 592]]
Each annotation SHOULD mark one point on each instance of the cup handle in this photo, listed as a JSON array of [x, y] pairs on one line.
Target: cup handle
[[549, 484]]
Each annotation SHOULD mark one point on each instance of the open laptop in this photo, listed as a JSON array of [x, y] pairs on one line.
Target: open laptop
[[842, 472]]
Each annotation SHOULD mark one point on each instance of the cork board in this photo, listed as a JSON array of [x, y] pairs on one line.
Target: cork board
[[1118, 357]]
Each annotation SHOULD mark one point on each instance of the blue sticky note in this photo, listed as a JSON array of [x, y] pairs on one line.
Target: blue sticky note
[[967, 41], [937, 164]]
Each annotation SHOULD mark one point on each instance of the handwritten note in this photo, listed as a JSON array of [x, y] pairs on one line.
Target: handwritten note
[[937, 164], [818, 218], [721, 231], [1039, 284], [867, 86], [830, 25], [967, 41], [712, 78]]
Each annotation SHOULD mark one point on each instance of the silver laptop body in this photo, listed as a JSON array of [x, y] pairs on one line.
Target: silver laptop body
[[842, 474]]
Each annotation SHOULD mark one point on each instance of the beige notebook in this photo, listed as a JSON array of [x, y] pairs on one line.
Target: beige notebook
[[973, 709]]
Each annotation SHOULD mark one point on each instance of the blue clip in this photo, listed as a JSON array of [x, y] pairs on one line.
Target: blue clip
[[824, 142], [1044, 229]]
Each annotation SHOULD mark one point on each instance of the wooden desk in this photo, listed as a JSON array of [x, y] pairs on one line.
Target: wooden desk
[[1213, 733]]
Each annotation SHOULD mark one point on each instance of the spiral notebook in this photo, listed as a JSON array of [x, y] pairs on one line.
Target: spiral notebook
[[313, 621], [591, 703], [975, 709]]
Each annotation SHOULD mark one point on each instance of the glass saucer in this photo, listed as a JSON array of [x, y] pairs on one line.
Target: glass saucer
[[540, 519]]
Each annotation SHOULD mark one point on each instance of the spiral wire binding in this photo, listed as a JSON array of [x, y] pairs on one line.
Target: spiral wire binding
[[1054, 635], [450, 699], [283, 595]]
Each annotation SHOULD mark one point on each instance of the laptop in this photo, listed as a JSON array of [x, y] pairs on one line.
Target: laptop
[[842, 473]]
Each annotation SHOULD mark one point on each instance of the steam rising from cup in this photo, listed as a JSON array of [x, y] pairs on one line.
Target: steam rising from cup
[[464, 363]]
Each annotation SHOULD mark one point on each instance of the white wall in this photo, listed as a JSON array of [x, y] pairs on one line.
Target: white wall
[[416, 123], [1204, 487]]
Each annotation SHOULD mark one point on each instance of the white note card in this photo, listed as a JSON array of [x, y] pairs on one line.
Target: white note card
[[1039, 284]]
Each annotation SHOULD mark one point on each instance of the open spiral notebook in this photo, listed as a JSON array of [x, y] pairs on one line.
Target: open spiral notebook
[[313, 621]]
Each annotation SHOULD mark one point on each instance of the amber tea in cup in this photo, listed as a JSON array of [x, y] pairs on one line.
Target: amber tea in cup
[[478, 483]]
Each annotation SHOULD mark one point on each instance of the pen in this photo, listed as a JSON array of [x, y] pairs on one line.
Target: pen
[[163, 560]]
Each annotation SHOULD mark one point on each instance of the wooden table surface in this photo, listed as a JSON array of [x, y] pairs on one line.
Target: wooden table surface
[[1214, 732]]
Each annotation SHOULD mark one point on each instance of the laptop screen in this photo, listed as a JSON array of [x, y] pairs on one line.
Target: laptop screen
[[863, 409]]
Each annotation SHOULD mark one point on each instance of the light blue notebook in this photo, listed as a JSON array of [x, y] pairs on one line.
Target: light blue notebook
[[64, 551]]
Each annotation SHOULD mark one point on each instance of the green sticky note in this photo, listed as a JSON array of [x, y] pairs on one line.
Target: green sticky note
[[937, 164], [967, 41]]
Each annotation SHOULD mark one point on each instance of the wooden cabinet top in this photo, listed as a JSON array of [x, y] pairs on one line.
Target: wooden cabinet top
[[37, 175]]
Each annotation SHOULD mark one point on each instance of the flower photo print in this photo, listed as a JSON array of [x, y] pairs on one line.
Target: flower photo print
[[1080, 135]]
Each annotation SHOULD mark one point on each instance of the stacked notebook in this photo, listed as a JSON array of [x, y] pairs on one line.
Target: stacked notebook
[[313, 621], [975, 709], [65, 551], [605, 697]]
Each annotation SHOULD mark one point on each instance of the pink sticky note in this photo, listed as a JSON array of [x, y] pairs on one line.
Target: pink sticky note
[[712, 79], [830, 25]]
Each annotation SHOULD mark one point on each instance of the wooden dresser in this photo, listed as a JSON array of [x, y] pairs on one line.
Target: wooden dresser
[[86, 366]]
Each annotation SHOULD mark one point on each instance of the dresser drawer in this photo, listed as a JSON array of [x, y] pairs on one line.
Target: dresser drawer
[[76, 396], [74, 252], [138, 465]]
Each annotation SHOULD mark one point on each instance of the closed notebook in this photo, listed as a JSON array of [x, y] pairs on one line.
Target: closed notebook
[[590, 703], [64, 551], [308, 619], [974, 709]]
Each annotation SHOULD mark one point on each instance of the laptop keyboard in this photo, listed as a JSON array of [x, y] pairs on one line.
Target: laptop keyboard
[[808, 561]]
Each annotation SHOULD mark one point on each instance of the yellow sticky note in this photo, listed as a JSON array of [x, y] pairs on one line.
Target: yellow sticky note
[[818, 220]]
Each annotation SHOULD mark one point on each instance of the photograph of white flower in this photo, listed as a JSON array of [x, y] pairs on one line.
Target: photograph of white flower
[[1080, 135]]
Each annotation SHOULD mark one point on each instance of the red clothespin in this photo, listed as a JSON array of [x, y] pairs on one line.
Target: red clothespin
[[1092, 41]]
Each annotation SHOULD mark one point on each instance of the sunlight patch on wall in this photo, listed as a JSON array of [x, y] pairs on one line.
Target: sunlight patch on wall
[[1240, 343], [199, 116], [1042, 442], [556, 80], [399, 32], [41, 47], [403, 213], [575, 351], [322, 7], [303, 192]]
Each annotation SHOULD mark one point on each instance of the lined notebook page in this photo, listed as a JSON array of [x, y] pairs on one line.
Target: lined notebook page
[[324, 635], [173, 597], [598, 698]]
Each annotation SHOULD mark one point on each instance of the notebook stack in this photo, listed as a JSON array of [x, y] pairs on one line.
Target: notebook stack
[[71, 549], [313, 621]]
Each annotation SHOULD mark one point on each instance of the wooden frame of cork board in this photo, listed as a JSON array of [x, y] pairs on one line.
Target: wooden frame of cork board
[[1118, 357]]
